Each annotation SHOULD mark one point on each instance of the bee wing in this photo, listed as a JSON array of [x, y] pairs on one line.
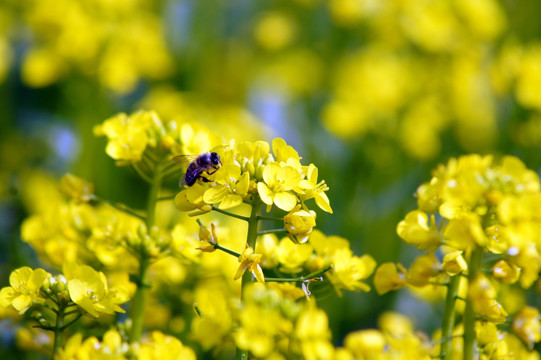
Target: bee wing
[[184, 160]]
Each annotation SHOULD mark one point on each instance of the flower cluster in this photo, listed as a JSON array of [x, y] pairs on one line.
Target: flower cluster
[[117, 44], [76, 230], [164, 263], [476, 213], [347, 271], [272, 325], [399, 79], [80, 286], [249, 172], [130, 135], [154, 346]]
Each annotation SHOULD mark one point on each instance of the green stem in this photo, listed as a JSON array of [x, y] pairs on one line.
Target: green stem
[[58, 332], [270, 218], [448, 321], [247, 278], [271, 231], [236, 216], [300, 278], [469, 314], [137, 311], [141, 173], [226, 250], [138, 305], [119, 208]]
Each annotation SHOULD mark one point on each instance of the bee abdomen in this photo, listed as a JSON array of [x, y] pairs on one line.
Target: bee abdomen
[[191, 174]]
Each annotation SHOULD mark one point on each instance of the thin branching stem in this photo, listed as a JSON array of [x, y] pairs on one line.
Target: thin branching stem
[[236, 216], [122, 208], [271, 231], [313, 275]]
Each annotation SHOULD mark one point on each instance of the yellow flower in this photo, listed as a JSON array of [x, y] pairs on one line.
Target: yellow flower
[[279, 180], [312, 330], [76, 188], [230, 187], [263, 321], [506, 272], [191, 199], [315, 190], [348, 270], [366, 344], [88, 289], [487, 333], [253, 156], [299, 224], [249, 260], [454, 263], [527, 325], [158, 346], [127, 136], [292, 256], [215, 320], [389, 277], [423, 268], [284, 153], [111, 347], [465, 232], [482, 294], [24, 290], [266, 245], [208, 237], [415, 231]]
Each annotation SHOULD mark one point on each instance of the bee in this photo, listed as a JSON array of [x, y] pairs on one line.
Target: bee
[[207, 163]]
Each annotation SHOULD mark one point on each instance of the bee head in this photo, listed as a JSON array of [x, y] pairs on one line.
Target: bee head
[[215, 159]]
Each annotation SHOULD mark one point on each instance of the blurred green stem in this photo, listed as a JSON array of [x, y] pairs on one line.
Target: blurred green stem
[[137, 311], [59, 330], [253, 224], [469, 314], [448, 321]]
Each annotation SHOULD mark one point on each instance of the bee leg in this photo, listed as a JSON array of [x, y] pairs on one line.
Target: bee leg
[[215, 169], [204, 179]]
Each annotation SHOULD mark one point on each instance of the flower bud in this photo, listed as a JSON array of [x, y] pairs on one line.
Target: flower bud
[[299, 224]]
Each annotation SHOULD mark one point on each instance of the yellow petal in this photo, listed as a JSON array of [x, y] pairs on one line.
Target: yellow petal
[[323, 202], [21, 303], [215, 194], [265, 193], [230, 201], [285, 200]]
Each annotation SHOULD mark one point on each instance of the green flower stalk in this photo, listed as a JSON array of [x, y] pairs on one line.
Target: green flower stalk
[[137, 311], [483, 206]]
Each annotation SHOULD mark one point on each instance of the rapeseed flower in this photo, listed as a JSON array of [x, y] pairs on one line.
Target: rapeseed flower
[[349, 271], [299, 224], [277, 185], [230, 187], [389, 277], [24, 290], [527, 326], [415, 231], [89, 290], [250, 261]]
